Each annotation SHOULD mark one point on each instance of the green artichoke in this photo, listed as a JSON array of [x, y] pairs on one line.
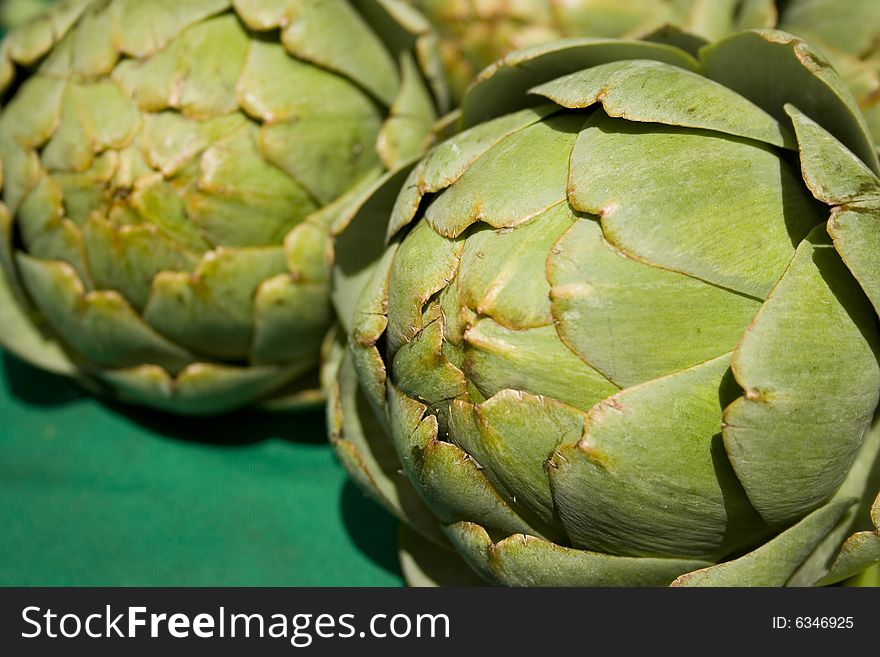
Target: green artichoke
[[624, 328], [15, 12], [475, 34], [169, 174]]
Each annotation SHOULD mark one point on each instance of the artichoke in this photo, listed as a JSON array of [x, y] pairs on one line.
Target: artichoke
[[623, 329], [475, 34], [16, 12], [170, 171]]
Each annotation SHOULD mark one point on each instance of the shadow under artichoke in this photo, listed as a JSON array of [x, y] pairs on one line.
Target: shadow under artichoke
[[370, 527]]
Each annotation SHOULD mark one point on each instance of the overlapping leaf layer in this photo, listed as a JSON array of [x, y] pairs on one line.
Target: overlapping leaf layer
[[614, 337], [170, 171]]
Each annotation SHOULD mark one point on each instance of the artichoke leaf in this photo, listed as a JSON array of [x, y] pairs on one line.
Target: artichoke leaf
[[854, 30], [171, 140], [503, 274], [45, 232], [21, 334], [733, 223], [404, 135], [650, 477], [128, 257], [94, 52], [832, 172], [448, 480], [860, 552], [143, 27], [774, 562], [27, 44], [751, 62], [426, 564], [839, 178], [358, 235], [855, 543], [361, 440], [449, 160], [422, 266], [513, 435], [284, 307], [370, 321], [503, 87], [212, 309], [490, 191], [653, 92], [523, 560], [332, 34], [240, 199], [856, 235], [631, 321], [796, 431], [200, 389], [196, 74], [532, 360], [421, 365], [31, 117], [100, 326]]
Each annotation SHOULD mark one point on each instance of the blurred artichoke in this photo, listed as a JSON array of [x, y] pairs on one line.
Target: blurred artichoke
[[15, 12], [169, 174], [625, 328], [477, 32]]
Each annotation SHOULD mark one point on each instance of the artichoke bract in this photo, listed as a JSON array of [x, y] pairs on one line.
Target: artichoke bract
[[624, 330], [475, 34], [169, 174]]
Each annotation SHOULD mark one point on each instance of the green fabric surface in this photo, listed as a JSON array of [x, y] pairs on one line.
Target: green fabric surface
[[93, 494]]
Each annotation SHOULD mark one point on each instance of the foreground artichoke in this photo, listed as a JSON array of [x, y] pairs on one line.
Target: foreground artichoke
[[476, 33], [169, 173], [625, 329]]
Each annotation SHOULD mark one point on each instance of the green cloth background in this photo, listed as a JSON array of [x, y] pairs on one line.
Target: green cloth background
[[99, 495], [93, 494]]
